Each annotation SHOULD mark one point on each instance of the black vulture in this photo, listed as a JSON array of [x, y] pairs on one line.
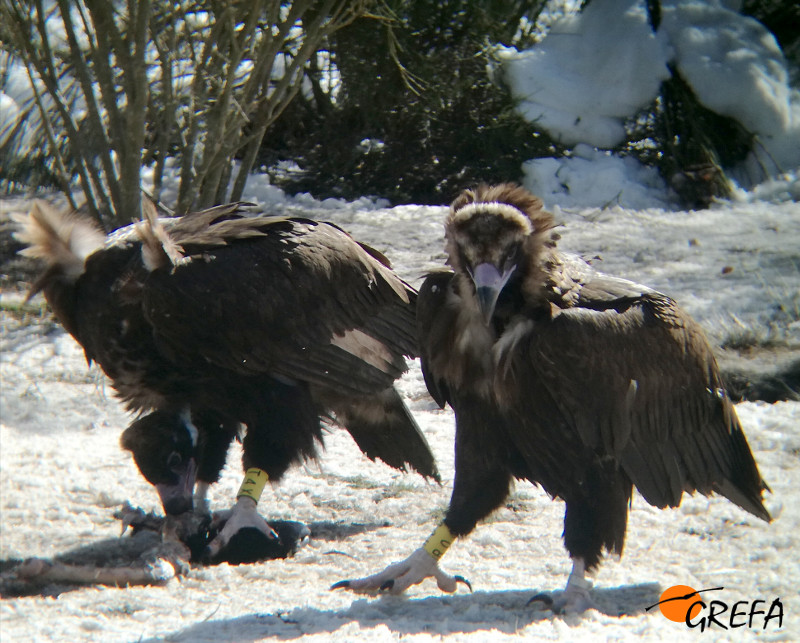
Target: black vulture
[[580, 382], [220, 321]]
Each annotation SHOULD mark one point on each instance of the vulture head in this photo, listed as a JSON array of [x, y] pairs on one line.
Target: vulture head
[[163, 445], [494, 236]]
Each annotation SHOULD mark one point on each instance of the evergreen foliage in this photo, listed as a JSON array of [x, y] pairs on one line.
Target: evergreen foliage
[[416, 117], [689, 144]]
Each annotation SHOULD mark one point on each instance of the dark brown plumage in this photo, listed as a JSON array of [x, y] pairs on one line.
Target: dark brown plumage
[[217, 320], [580, 382]]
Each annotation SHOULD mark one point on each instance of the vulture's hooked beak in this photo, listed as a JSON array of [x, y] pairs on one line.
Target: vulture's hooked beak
[[177, 498], [488, 285]]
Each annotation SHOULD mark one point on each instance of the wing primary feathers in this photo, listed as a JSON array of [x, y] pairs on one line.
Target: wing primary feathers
[[383, 428]]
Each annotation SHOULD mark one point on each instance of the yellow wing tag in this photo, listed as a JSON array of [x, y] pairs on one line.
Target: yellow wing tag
[[439, 542], [253, 484]]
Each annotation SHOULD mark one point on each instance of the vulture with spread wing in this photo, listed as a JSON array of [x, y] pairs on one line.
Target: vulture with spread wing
[[217, 321], [585, 384]]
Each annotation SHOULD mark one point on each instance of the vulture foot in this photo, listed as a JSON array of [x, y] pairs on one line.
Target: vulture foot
[[194, 530], [398, 577], [574, 599], [243, 515]]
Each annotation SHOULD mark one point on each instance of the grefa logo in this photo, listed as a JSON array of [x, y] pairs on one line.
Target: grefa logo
[[683, 604]]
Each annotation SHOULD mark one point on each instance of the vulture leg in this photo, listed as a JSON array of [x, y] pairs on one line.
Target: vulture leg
[[284, 433], [481, 484], [214, 441], [592, 523]]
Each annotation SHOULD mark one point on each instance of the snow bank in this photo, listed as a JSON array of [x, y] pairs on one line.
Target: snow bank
[[595, 69], [593, 177], [591, 71]]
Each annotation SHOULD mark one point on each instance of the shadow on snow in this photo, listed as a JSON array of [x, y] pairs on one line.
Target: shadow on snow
[[502, 611]]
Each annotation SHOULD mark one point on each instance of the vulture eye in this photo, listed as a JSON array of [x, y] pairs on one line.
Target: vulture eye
[[511, 257], [174, 460]]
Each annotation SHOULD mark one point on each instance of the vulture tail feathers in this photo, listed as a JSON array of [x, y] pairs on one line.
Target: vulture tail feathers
[[383, 428]]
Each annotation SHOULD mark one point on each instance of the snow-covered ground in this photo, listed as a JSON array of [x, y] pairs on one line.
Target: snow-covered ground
[[736, 268]]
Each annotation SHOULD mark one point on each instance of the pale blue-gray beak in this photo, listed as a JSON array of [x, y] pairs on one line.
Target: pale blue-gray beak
[[489, 283], [178, 498]]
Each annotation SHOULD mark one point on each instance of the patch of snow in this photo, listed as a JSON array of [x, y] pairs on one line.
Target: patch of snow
[[592, 177], [595, 69], [591, 71]]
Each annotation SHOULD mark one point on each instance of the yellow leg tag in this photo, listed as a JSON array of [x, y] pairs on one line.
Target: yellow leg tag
[[439, 542], [253, 484]]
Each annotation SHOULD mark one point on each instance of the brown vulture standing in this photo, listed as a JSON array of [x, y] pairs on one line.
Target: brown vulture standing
[[217, 320], [585, 384]]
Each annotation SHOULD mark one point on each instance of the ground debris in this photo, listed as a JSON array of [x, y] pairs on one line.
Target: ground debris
[[158, 549]]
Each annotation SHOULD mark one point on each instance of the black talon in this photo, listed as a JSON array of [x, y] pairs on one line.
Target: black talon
[[388, 584], [342, 584], [461, 579], [544, 598]]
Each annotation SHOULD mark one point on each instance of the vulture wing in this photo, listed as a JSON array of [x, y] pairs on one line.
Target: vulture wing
[[184, 311], [292, 297], [625, 373], [434, 329], [297, 299]]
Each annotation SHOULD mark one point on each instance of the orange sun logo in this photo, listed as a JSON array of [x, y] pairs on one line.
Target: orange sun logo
[[675, 603]]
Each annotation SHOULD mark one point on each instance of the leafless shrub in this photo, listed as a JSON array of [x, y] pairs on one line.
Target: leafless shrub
[[192, 85]]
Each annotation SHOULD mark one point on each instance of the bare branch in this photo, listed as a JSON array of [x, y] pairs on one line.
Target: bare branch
[[63, 177], [98, 128], [40, 56], [227, 71]]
